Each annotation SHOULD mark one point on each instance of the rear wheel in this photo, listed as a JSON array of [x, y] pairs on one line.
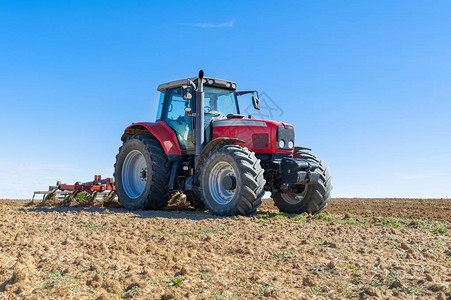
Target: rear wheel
[[311, 198], [232, 181], [142, 173]]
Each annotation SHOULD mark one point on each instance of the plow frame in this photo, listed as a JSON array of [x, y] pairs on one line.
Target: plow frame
[[95, 188]]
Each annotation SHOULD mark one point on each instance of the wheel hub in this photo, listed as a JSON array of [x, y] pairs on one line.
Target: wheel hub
[[134, 174], [222, 183], [294, 197], [143, 174], [229, 182]]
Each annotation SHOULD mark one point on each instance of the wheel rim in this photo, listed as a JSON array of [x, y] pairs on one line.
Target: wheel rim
[[292, 198], [134, 174], [218, 191]]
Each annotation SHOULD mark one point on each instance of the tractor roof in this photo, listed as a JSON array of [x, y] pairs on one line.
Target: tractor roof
[[221, 83]]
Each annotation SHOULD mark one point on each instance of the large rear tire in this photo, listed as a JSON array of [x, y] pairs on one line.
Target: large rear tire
[[311, 198], [141, 173], [232, 181]]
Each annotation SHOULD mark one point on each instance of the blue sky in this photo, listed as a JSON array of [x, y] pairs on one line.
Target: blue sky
[[367, 84]]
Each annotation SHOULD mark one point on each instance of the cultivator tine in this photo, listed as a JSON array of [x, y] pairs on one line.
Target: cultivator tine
[[110, 196], [92, 197], [69, 198]]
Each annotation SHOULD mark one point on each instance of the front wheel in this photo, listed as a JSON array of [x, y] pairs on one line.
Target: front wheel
[[310, 198], [232, 181]]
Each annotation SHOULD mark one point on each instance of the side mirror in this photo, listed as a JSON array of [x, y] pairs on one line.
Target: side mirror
[[256, 102], [187, 92]]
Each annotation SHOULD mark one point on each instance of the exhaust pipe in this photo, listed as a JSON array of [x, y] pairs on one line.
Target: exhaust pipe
[[199, 130]]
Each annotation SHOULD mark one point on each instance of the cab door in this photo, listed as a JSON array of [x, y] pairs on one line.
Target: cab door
[[178, 119]]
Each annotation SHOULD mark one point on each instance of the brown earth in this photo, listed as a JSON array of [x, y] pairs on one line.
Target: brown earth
[[358, 248]]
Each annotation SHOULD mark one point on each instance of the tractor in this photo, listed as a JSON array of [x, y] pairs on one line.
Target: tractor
[[200, 145]]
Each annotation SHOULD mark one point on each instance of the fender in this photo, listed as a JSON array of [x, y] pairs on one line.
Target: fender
[[162, 132], [210, 146]]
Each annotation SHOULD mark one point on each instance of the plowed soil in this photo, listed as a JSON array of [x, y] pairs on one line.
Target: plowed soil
[[357, 248]]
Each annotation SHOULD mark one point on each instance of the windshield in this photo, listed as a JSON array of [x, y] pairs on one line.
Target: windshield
[[219, 103]]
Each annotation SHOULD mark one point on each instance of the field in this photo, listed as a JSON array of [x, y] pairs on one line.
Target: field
[[358, 248]]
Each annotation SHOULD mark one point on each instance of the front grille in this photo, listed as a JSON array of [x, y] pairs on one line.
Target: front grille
[[285, 133]]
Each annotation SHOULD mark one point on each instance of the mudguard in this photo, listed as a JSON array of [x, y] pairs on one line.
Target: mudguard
[[162, 132]]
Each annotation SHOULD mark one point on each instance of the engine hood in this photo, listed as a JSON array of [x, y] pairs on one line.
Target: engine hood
[[248, 122], [260, 136]]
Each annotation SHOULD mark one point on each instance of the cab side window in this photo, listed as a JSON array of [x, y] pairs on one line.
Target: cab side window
[[178, 119]]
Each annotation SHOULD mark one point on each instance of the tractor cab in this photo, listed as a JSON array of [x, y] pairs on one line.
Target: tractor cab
[[220, 102]]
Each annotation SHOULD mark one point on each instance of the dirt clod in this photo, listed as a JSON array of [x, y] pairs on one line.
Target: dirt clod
[[404, 246], [436, 287], [20, 274], [441, 296], [331, 264], [371, 291], [112, 286], [309, 281], [397, 284]]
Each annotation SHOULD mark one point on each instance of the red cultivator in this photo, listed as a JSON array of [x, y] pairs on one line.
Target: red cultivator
[[98, 187]]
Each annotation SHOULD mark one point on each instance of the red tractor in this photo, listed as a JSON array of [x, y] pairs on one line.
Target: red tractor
[[202, 146]]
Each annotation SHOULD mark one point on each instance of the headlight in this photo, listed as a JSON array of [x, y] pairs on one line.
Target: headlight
[[281, 143], [290, 144]]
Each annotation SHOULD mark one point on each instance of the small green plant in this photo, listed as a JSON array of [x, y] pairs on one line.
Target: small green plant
[[283, 216], [416, 223], [57, 279], [280, 255], [390, 222], [204, 275], [238, 283], [82, 197], [439, 229], [323, 217], [262, 221], [175, 282], [131, 292], [92, 227], [376, 282], [42, 227], [284, 254], [355, 281], [352, 267], [267, 287], [322, 243], [299, 219]]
